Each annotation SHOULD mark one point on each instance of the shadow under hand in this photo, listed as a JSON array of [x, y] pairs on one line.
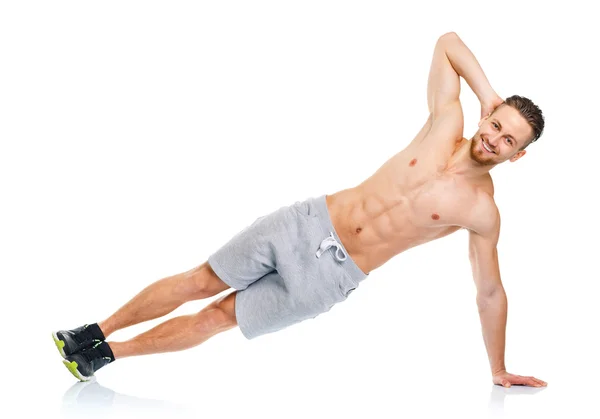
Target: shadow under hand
[[90, 399], [499, 393]]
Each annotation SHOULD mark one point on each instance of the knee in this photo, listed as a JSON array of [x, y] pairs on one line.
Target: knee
[[201, 282], [224, 310]]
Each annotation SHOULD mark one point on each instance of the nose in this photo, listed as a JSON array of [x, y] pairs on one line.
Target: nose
[[494, 139]]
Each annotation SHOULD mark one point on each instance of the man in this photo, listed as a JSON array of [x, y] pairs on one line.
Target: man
[[298, 261]]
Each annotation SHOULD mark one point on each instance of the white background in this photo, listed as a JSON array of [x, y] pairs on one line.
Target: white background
[[138, 137]]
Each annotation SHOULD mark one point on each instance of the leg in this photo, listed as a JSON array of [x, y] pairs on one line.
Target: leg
[[164, 296], [181, 332]]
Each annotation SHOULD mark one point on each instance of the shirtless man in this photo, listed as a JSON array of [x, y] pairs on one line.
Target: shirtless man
[[298, 261]]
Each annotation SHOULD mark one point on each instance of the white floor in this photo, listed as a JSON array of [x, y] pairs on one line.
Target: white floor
[[309, 381], [363, 358], [96, 400]]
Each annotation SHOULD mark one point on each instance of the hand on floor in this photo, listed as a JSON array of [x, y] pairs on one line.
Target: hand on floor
[[505, 379]]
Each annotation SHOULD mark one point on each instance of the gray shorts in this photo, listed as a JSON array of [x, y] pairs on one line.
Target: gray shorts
[[288, 266]]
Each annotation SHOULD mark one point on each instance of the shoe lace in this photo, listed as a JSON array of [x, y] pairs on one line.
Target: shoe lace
[[93, 354], [84, 336]]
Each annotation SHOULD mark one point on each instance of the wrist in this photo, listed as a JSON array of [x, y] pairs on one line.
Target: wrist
[[489, 97], [498, 370]]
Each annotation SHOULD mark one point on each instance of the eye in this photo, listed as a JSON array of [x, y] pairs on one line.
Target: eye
[[495, 125], [509, 140]]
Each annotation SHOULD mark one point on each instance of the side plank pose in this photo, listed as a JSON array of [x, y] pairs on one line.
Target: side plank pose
[[301, 259]]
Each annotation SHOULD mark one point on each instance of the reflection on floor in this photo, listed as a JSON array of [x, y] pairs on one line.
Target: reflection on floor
[[499, 393], [90, 399]]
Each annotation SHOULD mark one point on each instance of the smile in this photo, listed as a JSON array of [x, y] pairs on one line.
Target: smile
[[486, 147]]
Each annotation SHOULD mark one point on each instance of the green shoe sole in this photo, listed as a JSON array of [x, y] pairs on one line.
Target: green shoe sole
[[59, 344], [72, 366]]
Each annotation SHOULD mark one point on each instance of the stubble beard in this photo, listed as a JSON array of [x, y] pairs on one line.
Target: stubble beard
[[480, 156]]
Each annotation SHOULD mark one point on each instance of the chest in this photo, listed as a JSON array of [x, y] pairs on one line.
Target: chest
[[439, 201]]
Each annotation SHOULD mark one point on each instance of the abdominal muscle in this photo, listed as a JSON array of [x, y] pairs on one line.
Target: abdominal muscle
[[394, 210]]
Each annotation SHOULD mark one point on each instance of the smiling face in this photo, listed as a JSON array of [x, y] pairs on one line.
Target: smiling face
[[500, 137]]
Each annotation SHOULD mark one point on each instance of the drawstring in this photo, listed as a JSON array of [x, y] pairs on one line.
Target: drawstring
[[328, 242]]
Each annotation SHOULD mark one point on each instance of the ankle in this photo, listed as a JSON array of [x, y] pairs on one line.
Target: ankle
[[106, 351], [119, 349], [105, 328]]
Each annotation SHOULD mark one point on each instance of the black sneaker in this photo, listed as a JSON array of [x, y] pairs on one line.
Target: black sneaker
[[70, 341], [85, 363]]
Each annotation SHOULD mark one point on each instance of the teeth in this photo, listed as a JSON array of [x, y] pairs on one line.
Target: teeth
[[486, 147]]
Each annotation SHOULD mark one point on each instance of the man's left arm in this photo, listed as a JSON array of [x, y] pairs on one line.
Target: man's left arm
[[491, 298]]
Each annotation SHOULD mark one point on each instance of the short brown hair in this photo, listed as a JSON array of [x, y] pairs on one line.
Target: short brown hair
[[531, 112]]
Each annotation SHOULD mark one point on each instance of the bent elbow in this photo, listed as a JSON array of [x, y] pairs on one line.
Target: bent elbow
[[448, 35], [490, 297]]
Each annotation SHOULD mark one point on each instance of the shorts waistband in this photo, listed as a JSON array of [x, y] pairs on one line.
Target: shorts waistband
[[333, 240]]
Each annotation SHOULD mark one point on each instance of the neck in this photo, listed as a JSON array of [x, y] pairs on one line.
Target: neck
[[461, 162]]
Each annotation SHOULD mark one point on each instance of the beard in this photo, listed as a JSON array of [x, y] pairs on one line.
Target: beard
[[480, 156]]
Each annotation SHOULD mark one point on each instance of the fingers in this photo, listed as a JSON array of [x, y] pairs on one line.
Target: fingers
[[532, 381], [528, 381], [520, 380]]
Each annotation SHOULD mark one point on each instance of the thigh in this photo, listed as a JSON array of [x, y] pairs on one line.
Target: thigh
[[273, 303], [254, 251]]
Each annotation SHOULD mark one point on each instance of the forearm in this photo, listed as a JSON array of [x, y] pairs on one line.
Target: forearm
[[466, 66], [492, 313]]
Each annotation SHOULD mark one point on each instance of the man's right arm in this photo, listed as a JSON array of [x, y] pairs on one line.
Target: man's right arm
[[452, 59]]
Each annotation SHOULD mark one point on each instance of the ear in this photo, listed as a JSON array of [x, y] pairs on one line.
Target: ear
[[518, 156]]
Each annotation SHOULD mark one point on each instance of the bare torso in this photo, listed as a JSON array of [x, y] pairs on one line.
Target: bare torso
[[413, 198]]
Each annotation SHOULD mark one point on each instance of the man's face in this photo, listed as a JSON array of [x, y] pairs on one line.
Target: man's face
[[500, 136]]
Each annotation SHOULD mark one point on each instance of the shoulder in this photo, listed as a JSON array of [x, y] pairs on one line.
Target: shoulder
[[488, 185], [484, 215]]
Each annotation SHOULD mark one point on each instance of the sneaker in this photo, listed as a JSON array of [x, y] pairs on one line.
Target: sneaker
[[70, 341], [85, 363]]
